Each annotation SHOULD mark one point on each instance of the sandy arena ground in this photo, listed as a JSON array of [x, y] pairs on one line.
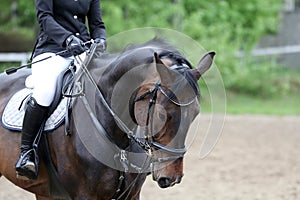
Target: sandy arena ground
[[256, 158]]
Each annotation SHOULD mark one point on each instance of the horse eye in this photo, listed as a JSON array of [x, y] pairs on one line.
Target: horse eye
[[162, 116]]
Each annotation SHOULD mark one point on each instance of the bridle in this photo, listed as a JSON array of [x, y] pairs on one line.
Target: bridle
[[174, 153]]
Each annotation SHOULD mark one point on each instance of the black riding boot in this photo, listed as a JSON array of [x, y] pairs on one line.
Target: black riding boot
[[35, 116]]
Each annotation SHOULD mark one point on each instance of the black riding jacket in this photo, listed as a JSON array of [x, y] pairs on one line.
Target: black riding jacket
[[58, 19]]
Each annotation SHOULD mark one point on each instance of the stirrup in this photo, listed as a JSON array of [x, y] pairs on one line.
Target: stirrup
[[25, 168], [21, 176]]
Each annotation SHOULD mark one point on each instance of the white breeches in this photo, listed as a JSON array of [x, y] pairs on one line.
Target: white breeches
[[44, 76]]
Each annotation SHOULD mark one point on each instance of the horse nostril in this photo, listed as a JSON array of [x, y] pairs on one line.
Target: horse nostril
[[164, 182]]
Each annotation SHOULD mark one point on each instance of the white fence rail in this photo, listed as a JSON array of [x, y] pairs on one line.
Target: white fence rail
[[272, 51], [15, 57]]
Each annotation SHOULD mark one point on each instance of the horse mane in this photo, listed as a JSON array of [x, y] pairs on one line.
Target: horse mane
[[155, 43], [159, 45], [164, 49]]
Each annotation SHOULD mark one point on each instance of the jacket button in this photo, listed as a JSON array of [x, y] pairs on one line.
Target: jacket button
[[77, 34], [75, 16]]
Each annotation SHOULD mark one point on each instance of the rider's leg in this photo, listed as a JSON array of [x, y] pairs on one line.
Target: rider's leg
[[34, 117], [44, 75]]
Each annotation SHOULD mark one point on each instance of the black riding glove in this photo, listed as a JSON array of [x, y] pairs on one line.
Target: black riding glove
[[74, 45], [102, 45]]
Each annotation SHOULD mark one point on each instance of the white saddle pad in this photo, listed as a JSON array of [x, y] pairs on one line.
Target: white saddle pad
[[13, 114]]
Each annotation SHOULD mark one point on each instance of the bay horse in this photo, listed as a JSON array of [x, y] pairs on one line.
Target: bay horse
[[130, 120]]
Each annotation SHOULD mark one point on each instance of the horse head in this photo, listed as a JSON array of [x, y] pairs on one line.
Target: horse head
[[164, 107]]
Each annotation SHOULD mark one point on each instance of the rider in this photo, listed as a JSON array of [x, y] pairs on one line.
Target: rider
[[62, 26]]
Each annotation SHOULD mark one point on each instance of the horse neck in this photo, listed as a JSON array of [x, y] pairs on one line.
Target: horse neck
[[104, 116], [118, 80]]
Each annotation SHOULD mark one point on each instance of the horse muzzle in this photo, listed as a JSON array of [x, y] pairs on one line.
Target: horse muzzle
[[168, 175], [165, 182]]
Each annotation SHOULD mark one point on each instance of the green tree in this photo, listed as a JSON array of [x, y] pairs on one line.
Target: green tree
[[17, 13]]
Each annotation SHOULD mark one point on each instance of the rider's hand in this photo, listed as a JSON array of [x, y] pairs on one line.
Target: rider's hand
[[102, 45], [74, 45]]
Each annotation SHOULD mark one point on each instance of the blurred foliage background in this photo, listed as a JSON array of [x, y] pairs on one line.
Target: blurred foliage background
[[226, 26]]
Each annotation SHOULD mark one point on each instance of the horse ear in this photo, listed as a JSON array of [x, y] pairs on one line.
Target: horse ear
[[162, 70], [203, 65]]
